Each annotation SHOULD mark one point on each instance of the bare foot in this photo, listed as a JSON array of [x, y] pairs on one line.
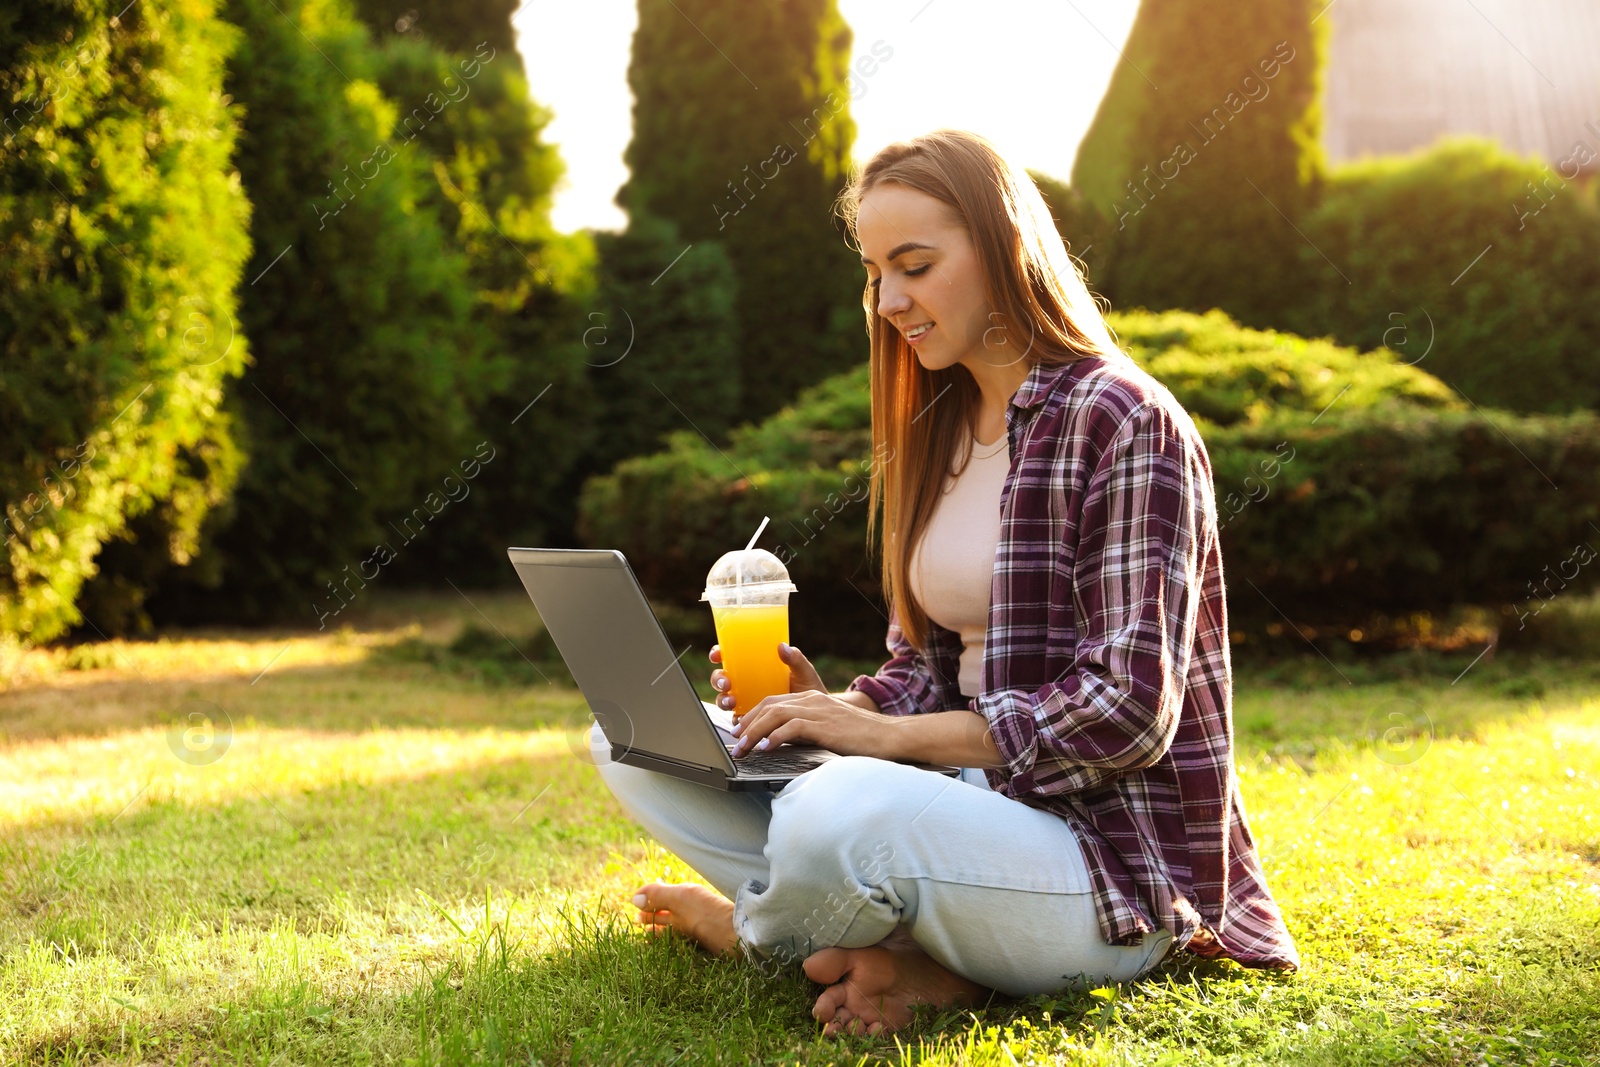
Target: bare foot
[[871, 990], [692, 910]]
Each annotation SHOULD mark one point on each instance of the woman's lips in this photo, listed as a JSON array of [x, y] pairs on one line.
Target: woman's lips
[[913, 337]]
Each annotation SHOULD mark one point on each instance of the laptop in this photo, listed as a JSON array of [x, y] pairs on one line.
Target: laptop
[[633, 679]]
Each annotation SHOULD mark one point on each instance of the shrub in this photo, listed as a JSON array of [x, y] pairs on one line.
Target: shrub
[[675, 512], [1391, 508], [1482, 264], [122, 235], [487, 656], [662, 348]]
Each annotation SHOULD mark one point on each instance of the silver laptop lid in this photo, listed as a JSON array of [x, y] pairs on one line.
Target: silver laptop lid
[[596, 613]]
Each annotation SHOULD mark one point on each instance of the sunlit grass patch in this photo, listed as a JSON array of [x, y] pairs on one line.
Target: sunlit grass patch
[[197, 656], [379, 622], [78, 779]]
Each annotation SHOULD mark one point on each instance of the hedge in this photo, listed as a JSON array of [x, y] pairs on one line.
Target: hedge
[[1395, 509], [1476, 265], [1342, 488]]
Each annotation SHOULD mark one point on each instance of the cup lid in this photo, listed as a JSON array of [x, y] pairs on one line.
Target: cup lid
[[753, 569]]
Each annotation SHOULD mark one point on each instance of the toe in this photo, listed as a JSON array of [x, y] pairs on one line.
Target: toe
[[827, 966], [662, 896], [826, 1009]]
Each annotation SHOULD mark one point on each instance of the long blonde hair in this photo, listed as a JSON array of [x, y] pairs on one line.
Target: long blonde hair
[[1036, 290]]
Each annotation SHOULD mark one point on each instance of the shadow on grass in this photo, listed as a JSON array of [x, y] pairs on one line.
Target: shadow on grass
[[604, 994], [398, 690], [1397, 705], [486, 656], [599, 993]]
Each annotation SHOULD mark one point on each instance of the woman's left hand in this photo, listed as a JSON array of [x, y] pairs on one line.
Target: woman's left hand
[[819, 718]]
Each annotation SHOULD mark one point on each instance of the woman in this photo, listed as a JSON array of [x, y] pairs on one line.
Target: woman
[[1057, 626]]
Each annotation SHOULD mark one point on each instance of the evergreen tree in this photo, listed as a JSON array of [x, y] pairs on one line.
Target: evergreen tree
[[1085, 231], [453, 25], [122, 237], [660, 345], [742, 135], [1204, 149], [490, 181], [359, 315]]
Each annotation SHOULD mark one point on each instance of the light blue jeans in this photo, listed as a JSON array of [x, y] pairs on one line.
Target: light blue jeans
[[989, 887]]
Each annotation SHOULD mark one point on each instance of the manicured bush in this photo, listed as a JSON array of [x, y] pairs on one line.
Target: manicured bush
[[675, 512], [1476, 265], [1391, 508], [122, 236], [1225, 375]]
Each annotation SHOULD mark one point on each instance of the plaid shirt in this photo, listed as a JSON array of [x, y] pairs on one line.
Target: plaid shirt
[[1106, 677]]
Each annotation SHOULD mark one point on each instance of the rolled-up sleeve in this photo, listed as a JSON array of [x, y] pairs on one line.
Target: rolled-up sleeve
[[1136, 594], [904, 685]]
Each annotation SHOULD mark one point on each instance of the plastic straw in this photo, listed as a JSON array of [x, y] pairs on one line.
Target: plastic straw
[[764, 520], [757, 537]]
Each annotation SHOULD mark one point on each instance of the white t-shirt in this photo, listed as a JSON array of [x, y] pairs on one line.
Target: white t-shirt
[[952, 566]]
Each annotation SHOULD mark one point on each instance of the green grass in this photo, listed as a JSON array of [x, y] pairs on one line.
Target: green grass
[[402, 858]]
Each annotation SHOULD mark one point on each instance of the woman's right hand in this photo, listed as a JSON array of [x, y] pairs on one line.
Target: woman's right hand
[[802, 676]]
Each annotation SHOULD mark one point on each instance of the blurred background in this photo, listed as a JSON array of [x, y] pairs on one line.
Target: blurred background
[[311, 307]]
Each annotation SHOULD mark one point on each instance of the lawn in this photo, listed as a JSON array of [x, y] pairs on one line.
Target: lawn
[[387, 848]]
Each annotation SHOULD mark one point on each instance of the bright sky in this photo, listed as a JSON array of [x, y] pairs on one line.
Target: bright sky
[[1027, 74]]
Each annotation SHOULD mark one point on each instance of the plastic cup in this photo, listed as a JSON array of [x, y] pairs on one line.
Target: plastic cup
[[748, 590]]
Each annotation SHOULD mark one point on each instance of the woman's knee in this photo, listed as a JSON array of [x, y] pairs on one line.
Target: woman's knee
[[848, 804]]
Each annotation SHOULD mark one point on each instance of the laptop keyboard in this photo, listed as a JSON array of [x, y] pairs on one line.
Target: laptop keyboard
[[778, 763]]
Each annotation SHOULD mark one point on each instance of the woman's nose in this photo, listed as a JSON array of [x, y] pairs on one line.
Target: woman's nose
[[892, 302]]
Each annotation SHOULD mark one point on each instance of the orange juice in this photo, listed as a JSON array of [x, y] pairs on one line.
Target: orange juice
[[748, 590], [749, 637]]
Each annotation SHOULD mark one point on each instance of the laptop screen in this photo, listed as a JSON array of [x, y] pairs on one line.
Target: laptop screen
[[631, 676]]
